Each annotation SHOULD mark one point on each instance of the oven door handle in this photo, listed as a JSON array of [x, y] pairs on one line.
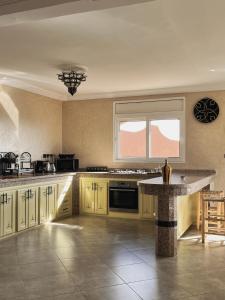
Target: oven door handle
[[123, 190]]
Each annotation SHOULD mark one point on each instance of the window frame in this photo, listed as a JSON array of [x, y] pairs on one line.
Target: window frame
[[170, 115]]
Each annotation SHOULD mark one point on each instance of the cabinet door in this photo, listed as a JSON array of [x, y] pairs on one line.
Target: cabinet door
[[32, 207], [9, 208], [51, 191], [101, 198], [64, 199], [22, 210], [43, 205], [87, 196], [147, 206]]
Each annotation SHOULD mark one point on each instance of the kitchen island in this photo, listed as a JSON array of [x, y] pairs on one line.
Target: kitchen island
[[183, 182]]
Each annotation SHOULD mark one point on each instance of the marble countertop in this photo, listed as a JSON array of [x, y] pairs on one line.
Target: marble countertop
[[182, 182]]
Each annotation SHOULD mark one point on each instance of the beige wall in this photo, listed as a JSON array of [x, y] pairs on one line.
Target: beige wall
[[88, 132], [29, 122]]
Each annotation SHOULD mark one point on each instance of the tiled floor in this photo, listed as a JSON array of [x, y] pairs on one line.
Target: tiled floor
[[96, 258]]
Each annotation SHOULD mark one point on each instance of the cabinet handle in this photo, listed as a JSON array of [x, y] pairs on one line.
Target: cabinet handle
[[31, 194], [49, 190], [6, 198], [92, 186], [27, 195], [3, 198]]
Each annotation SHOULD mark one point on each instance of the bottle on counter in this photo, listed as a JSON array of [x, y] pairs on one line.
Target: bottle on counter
[[166, 172]]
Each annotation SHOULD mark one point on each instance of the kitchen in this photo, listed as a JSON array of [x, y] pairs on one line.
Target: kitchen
[[67, 161]]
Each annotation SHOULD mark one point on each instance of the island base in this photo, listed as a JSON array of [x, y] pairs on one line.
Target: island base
[[166, 240]]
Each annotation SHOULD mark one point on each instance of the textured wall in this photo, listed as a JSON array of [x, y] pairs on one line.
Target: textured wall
[[88, 132], [29, 122]]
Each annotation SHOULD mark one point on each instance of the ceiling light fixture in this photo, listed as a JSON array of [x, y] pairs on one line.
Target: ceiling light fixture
[[72, 79]]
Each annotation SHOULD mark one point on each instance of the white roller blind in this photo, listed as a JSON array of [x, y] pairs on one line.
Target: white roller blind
[[149, 106]]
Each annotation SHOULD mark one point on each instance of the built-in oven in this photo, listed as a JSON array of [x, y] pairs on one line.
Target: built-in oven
[[123, 196]]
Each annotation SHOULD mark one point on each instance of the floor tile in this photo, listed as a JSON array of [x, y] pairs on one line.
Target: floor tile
[[155, 289], [10, 289], [120, 259], [50, 286], [135, 272], [42, 269], [119, 292]]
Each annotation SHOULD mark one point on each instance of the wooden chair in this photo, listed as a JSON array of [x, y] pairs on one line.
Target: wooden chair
[[212, 213]]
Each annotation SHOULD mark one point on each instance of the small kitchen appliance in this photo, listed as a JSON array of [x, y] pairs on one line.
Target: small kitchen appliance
[[67, 163]]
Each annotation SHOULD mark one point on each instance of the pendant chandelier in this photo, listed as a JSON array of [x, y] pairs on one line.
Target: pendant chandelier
[[72, 79]]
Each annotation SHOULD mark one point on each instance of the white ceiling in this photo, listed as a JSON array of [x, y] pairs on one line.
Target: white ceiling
[[155, 47]]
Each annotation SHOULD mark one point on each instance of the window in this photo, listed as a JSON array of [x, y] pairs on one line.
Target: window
[[154, 132], [164, 138], [132, 139]]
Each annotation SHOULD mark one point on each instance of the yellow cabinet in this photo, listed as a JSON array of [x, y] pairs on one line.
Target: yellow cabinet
[[101, 195], [7, 212], [87, 196], [27, 208], [64, 201], [147, 206], [48, 203], [94, 196]]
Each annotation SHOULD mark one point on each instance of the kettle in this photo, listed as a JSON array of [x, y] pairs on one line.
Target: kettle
[[52, 168], [47, 167]]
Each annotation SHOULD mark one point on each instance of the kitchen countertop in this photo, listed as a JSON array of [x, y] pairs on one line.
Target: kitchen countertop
[[9, 181], [182, 182]]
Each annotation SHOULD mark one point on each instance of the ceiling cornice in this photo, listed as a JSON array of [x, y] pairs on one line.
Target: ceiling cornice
[[20, 11]]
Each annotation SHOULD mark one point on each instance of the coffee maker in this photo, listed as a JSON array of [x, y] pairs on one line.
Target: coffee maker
[[46, 165]]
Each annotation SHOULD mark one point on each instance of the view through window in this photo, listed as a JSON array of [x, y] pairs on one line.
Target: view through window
[[163, 137]]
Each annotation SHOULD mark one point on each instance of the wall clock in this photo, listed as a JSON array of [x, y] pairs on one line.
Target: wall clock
[[206, 110]]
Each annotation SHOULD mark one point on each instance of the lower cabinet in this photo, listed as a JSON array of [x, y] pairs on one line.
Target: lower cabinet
[[7, 212], [94, 196], [27, 208], [147, 206], [101, 197], [48, 203], [64, 201]]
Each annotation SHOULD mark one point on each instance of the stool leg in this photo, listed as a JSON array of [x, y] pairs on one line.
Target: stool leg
[[203, 221], [198, 212]]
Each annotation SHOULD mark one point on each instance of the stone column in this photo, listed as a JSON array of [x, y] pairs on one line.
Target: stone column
[[166, 225]]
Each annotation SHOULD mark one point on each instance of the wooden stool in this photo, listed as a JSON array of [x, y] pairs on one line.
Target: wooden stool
[[199, 204], [213, 213]]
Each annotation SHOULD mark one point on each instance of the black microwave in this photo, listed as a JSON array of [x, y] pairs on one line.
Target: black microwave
[[67, 165]]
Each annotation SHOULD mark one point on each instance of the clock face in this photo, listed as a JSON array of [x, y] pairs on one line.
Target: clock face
[[206, 110]]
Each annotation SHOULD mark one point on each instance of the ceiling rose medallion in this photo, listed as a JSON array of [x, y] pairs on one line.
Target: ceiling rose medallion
[[72, 79]]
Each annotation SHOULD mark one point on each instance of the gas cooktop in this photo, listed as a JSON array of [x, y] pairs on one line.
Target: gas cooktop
[[135, 171]]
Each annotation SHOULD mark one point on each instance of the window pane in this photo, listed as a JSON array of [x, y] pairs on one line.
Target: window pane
[[164, 140], [132, 139]]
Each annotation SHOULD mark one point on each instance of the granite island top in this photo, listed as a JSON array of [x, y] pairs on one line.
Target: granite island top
[[182, 182]]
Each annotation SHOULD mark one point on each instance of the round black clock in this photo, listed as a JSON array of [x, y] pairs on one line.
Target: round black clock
[[206, 110]]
